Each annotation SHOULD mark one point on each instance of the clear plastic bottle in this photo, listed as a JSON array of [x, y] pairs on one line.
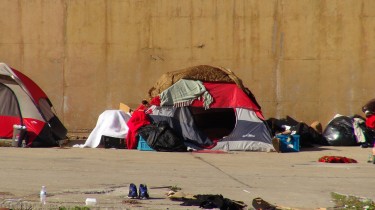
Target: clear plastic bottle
[[23, 143], [43, 195], [369, 159]]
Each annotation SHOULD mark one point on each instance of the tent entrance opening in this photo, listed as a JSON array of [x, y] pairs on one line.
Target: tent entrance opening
[[215, 123]]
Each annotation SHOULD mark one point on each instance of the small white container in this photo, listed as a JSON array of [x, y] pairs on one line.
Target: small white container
[[43, 195], [90, 201]]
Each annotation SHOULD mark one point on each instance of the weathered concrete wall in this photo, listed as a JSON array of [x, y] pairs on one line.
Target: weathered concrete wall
[[307, 59]]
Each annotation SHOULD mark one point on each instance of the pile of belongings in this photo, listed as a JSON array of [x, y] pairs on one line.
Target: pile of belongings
[[203, 108], [348, 131], [340, 131], [309, 135]]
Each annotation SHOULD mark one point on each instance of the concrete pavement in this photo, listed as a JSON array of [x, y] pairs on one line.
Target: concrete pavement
[[288, 179]]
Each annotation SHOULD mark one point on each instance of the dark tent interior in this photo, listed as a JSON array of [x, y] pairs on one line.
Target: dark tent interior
[[215, 123]]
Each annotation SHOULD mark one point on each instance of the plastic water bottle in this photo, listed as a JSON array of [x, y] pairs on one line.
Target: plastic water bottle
[[18, 135], [369, 159], [43, 195], [23, 143]]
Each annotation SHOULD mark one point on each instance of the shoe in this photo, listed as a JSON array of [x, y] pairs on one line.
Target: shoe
[[260, 204], [132, 191], [143, 193], [365, 145], [276, 144]]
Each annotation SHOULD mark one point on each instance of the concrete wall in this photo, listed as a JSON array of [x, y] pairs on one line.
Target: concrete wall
[[309, 59]]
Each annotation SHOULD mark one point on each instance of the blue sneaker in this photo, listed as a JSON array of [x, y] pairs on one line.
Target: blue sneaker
[[132, 191], [143, 193]]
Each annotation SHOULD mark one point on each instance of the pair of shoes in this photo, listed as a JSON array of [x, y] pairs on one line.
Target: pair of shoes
[[143, 192]]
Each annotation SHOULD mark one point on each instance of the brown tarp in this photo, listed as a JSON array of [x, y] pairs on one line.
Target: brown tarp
[[203, 73]]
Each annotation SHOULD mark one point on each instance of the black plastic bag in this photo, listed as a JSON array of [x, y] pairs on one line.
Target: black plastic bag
[[210, 201], [340, 132], [161, 137]]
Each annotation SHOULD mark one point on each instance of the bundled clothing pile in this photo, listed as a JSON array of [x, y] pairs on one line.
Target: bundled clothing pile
[[309, 135], [336, 159], [137, 120]]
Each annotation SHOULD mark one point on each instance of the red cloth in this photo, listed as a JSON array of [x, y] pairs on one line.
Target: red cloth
[[155, 101], [336, 159], [141, 108], [228, 95], [370, 122], [137, 120]]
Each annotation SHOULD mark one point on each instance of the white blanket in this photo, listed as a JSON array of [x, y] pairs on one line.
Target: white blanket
[[110, 123]]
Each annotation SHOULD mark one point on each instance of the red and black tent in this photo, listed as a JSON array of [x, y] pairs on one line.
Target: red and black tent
[[23, 102]]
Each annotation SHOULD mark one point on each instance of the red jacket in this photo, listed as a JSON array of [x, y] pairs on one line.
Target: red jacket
[[138, 119]]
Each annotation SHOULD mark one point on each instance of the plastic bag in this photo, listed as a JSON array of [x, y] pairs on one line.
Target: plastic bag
[[340, 132]]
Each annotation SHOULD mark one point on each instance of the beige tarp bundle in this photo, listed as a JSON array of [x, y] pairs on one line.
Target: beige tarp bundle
[[203, 73]]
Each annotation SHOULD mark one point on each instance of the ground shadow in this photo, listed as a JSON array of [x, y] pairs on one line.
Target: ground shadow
[[318, 148]]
